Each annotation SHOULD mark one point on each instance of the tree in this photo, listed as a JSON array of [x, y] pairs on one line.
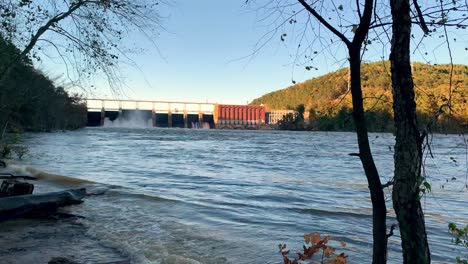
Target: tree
[[293, 121], [300, 109], [85, 34], [408, 144], [408, 157], [288, 122], [373, 18], [31, 101], [354, 48], [91, 30], [379, 210]]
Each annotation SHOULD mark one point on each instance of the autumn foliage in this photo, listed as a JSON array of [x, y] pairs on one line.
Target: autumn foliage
[[328, 103], [315, 247]]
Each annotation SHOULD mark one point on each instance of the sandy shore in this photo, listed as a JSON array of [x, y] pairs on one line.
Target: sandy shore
[[40, 240]]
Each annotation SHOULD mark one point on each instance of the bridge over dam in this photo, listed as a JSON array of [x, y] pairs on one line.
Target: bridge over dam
[[153, 113]]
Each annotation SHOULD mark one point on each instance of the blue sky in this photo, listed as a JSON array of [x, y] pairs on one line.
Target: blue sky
[[205, 55]]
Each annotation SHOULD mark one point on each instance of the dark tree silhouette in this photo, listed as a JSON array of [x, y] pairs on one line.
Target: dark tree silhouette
[[85, 34]]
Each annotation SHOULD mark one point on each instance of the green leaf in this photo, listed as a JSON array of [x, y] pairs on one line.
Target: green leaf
[[428, 186], [452, 226]]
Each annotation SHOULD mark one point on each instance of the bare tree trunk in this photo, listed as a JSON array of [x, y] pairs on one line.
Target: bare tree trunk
[[408, 150], [379, 210]]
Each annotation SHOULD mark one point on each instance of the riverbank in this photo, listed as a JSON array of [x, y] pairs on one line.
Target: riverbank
[[61, 236], [111, 226], [41, 240]]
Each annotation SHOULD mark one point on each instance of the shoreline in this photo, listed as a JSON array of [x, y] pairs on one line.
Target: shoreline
[[42, 240], [61, 237]]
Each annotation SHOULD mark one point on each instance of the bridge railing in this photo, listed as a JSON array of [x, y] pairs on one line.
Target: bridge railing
[[98, 104]]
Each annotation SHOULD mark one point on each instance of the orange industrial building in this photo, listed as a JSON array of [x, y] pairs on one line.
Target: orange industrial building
[[239, 115]]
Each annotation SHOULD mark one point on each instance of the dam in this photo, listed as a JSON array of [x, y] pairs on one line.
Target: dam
[[180, 114], [149, 113]]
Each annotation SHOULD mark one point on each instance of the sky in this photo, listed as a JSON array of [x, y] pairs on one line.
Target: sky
[[204, 53]]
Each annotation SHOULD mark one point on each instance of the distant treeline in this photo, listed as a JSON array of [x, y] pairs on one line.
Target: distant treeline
[[327, 103], [30, 101]]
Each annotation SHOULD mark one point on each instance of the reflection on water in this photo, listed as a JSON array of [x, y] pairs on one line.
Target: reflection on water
[[219, 196]]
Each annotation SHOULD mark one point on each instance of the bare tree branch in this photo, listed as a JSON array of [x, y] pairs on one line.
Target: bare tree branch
[[324, 22], [421, 17]]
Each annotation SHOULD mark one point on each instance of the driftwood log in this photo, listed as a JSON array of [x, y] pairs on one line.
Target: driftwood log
[[38, 204], [15, 188], [6, 176], [11, 186]]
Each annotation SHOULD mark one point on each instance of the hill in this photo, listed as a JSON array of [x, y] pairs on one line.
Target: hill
[[29, 100], [328, 102]]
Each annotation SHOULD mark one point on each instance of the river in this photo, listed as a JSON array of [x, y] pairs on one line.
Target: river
[[231, 196]]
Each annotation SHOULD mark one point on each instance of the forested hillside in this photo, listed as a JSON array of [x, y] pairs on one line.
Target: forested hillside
[[29, 100], [328, 100]]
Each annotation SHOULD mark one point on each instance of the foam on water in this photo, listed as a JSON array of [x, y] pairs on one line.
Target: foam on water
[[142, 228], [15, 169], [61, 179]]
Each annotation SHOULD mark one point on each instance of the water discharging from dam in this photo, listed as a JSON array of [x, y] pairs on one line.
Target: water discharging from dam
[[203, 125], [144, 119], [130, 119]]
